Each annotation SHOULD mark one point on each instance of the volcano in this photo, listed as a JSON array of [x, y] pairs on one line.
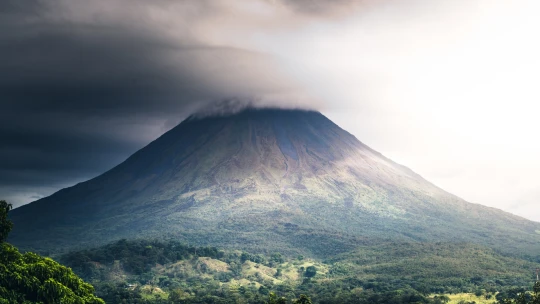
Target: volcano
[[268, 180]]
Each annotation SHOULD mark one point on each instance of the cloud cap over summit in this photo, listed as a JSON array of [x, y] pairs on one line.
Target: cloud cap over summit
[[86, 83]]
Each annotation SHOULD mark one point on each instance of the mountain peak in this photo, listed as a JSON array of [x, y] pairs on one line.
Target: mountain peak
[[270, 178]]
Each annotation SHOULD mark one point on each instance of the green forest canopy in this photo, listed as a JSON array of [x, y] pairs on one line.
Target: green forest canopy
[[30, 278]]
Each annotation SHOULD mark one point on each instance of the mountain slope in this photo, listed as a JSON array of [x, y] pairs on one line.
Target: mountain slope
[[286, 180]]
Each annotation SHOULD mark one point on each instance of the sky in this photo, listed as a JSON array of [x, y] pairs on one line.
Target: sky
[[448, 88]]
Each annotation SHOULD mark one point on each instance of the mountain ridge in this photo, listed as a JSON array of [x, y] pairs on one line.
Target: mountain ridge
[[268, 178]]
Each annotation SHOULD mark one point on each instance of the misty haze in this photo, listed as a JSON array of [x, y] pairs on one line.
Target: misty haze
[[269, 151]]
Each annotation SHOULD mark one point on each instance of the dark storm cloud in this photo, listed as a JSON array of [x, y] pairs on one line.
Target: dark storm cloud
[[84, 84], [323, 7]]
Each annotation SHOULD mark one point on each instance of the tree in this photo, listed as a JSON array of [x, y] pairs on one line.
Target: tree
[[524, 297], [441, 299], [274, 299], [277, 257], [311, 271], [303, 300], [5, 223], [29, 278], [176, 295]]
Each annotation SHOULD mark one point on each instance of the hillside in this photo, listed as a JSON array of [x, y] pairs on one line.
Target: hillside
[[153, 269], [265, 180]]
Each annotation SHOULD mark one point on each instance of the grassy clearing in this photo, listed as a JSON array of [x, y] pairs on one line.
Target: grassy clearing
[[469, 297]]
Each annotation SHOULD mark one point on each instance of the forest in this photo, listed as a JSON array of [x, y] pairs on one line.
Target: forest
[[159, 271], [145, 271]]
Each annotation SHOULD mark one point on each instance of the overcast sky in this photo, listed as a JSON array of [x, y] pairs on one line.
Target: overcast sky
[[448, 88]]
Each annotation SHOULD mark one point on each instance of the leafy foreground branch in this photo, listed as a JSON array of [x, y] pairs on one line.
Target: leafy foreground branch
[[30, 278]]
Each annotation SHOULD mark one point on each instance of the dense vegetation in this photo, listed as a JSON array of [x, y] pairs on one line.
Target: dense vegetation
[[144, 271], [170, 272], [522, 296], [29, 278]]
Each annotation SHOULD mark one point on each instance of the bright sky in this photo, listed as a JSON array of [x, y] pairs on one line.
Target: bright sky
[[448, 88], [454, 95]]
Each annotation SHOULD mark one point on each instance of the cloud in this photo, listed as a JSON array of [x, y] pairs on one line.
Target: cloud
[[445, 87], [84, 84]]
